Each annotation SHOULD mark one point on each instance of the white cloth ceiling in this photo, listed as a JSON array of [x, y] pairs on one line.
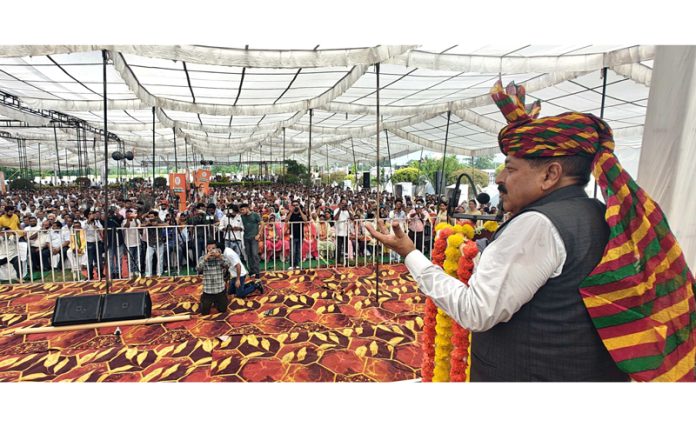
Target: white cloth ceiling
[[226, 102]]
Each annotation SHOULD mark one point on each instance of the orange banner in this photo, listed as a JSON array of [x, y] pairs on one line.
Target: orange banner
[[177, 183], [202, 180]]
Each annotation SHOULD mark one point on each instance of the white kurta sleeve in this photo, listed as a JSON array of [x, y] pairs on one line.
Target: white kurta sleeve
[[527, 253]]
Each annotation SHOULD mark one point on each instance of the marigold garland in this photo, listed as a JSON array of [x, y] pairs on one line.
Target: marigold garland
[[428, 362], [491, 226], [448, 359], [443, 347], [443, 231]]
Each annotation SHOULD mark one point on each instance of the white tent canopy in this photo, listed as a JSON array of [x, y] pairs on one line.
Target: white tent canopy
[[220, 103]]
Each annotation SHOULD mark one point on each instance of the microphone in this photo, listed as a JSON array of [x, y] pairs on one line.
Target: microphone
[[483, 198]]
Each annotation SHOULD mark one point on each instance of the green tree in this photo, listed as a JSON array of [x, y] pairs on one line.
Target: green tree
[[160, 182], [499, 169], [294, 168], [407, 174], [428, 166], [484, 162], [480, 177]]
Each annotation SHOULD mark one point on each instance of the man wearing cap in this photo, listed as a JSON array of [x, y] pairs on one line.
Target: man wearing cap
[[568, 289]]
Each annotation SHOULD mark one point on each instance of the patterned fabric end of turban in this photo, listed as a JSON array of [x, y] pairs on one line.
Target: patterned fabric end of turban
[[641, 294]]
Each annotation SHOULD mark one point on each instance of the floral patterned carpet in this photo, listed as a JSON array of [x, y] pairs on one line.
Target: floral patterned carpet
[[307, 326]]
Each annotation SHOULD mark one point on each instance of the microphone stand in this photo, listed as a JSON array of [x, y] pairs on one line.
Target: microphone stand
[[454, 201]]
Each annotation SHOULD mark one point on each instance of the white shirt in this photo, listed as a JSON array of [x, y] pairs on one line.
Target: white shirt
[[130, 233], [233, 259], [511, 270], [234, 222], [31, 232], [400, 216], [342, 222]]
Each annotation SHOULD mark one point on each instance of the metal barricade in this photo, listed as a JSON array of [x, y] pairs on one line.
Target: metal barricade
[[53, 255]]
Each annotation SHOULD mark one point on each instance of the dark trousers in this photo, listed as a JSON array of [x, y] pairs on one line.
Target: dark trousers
[[40, 259], [94, 250], [417, 238], [342, 248], [133, 261], [252, 252], [15, 263], [244, 288], [296, 255], [220, 301]]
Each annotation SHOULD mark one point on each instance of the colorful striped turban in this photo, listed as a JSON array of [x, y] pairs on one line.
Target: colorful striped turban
[[641, 294]]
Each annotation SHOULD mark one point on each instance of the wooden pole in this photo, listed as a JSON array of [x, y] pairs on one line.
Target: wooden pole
[[49, 329]]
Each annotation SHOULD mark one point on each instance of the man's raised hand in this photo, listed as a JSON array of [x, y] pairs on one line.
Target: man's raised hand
[[397, 241]]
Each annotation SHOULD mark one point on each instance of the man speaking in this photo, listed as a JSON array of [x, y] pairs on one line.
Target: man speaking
[[569, 289]]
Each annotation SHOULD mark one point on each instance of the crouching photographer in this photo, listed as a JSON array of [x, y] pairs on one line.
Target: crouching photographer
[[237, 275]]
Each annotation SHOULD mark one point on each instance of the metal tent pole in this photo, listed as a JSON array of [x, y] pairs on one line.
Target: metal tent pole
[[355, 166], [444, 155], [153, 148], [379, 202], [106, 175], [39, 166], [176, 160], [386, 136], [186, 155], [55, 138], [285, 166], [601, 110], [309, 151]]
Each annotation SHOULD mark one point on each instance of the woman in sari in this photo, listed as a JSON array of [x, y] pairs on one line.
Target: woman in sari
[[273, 235], [309, 241], [326, 244]]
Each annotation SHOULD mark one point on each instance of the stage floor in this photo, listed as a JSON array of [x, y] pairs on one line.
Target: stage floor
[[304, 328]]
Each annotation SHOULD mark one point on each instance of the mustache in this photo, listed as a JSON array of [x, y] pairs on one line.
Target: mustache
[[502, 189]]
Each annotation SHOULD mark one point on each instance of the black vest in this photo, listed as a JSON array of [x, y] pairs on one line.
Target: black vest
[[552, 338]]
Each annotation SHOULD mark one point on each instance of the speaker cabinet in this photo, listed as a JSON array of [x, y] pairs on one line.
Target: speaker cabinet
[[75, 310], [439, 182], [366, 180], [128, 306]]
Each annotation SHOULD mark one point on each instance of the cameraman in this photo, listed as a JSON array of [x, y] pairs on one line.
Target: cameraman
[[197, 234], [131, 224], [417, 220], [94, 234], [253, 227], [155, 243], [295, 223], [212, 218], [342, 216], [232, 229], [114, 240]]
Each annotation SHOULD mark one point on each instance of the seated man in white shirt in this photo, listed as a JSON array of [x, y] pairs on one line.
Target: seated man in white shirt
[[59, 241], [238, 274]]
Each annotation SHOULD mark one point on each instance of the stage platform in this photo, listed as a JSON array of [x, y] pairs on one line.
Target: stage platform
[[304, 328]]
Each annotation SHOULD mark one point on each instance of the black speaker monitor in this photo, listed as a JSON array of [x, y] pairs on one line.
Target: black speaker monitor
[[75, 310], [366, 180], [128, 306]]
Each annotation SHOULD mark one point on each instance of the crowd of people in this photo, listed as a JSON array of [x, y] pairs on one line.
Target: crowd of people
[[68, 229]]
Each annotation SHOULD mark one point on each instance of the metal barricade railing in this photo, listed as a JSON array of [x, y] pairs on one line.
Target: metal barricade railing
[[61, 255]]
